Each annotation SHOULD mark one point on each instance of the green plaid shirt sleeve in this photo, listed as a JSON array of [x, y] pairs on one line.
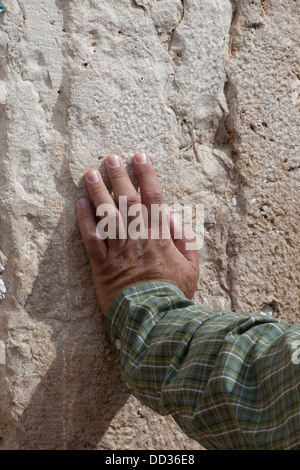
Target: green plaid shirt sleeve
[[230, 380]]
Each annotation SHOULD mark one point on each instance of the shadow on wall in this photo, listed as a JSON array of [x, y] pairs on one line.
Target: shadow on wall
[[76, 400]]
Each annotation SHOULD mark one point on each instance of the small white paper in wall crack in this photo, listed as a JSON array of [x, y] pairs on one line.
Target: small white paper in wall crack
[[267, 310], [2, 353], [2, 289], [2, 93]]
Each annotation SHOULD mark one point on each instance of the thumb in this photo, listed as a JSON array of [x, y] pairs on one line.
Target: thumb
[[184, 240]]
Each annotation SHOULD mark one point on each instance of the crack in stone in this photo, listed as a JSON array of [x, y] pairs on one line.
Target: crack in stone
[[224, 141]]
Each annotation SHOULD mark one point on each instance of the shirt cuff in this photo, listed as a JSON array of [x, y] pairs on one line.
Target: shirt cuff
[[126, 303]]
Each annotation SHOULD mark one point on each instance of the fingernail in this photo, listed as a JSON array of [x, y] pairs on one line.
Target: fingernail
[[82, 203], [113, 161], [141, 157], [93, 176]]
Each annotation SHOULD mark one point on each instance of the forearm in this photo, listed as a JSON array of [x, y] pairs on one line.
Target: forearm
[[224, 377]]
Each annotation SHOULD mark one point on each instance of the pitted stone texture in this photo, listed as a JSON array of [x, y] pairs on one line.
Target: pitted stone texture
[[264, 97], [83, 79]]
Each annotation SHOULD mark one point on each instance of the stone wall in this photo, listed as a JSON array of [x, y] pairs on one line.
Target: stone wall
[[211, 90]]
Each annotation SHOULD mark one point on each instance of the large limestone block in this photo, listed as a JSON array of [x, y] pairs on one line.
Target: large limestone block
[[264, 102], [211, 91]]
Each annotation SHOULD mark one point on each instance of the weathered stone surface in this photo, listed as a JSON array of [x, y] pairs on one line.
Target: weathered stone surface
[[211, 91], [264, 101]]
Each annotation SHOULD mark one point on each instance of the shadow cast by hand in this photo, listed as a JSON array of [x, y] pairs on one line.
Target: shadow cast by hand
[[82, 391]]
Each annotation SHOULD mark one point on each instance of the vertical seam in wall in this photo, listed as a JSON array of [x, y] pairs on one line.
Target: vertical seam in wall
[[231, 147]]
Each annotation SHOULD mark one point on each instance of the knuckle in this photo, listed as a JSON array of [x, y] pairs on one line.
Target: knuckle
[[131, 199], [145, 170], [154, 196], [117, 174], [82, 216], [162, 243], [91, 242], [111, 218], [92, 246], [99, 190], [108, 226]]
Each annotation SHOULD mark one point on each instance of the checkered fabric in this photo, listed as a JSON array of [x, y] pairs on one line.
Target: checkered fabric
[[230, 380]]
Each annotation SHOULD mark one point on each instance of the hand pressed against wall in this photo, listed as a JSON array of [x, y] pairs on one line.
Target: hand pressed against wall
[[122, 260]]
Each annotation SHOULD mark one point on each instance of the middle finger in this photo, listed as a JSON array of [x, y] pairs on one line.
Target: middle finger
[[120, 181]]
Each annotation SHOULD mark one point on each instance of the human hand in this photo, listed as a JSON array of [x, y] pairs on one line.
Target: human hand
[[120, 261]]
